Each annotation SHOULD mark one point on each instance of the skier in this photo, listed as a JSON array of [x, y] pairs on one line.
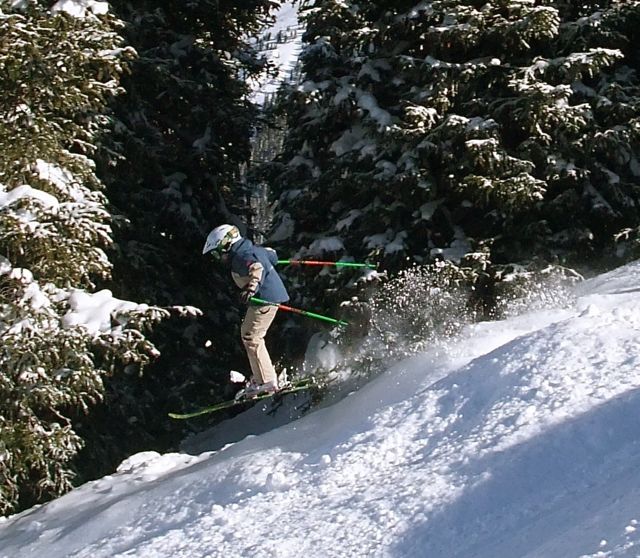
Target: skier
[[252, 270]]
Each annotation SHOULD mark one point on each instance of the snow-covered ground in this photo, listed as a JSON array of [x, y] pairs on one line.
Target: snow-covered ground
[[280, 44], [521, 440]]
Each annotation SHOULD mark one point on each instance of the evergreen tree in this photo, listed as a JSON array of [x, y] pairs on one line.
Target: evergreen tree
[[58, 339], [181, 132], [482, 132]]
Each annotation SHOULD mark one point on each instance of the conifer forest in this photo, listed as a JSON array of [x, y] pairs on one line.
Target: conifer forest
[[485, 142]]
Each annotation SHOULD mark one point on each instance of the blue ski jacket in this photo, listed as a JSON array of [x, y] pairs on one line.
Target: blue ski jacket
[[249, 261]]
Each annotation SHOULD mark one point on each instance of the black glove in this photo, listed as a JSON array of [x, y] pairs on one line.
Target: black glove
[[246, 294]]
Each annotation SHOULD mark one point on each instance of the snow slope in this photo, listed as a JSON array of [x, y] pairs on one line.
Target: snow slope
[[520, 441], [280, 44]]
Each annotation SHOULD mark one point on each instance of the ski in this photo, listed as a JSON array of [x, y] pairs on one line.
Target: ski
[[300, 385]]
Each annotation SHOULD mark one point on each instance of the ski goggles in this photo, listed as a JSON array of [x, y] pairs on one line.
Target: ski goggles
[[218, 253]]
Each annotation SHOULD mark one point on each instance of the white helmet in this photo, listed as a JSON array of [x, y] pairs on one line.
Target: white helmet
[[221, 239]]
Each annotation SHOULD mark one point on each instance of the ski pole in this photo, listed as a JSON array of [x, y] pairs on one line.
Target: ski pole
[[301, 312], [337, 264]]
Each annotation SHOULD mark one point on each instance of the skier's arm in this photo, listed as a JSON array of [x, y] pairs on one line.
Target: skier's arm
[[251, 283], [247, 275], [255, 277]]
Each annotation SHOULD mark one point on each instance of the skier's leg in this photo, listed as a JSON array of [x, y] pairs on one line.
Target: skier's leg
[[254, 328]]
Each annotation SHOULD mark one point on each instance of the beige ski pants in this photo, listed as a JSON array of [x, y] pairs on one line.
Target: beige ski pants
[[254, 328]]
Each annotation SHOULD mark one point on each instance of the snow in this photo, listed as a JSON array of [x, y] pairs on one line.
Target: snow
[[368, 102], [5, 265], [368, 69], [95, 311], [81, 8], [326, 244], [417, 11], [345, 224], [282, 45], [343, 93], [427, 210], [397, 244], [354, 139], [594, 19], [64, 181], [519, 439], [54, 174], [490, 143], [458, 248], [11, 196], [201, 143], [365, 100], [391, 241], [377, 240], [237, 377], [321, 354], [285, 228], [36, 298], [19, 4]]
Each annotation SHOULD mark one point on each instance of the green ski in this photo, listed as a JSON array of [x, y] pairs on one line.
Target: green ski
[[292, 388]]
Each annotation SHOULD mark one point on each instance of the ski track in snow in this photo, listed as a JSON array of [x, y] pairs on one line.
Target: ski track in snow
[[522, 440]]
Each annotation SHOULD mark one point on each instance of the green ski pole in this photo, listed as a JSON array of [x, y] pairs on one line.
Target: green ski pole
[[301, 312], [336, 264]]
